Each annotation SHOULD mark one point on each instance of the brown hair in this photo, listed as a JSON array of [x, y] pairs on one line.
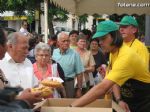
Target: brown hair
[[81, 36]]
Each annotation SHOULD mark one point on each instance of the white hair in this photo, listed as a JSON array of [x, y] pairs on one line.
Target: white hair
[[61, 34], [12, 38], [42, 46]]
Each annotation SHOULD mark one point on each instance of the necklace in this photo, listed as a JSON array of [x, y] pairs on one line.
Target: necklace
[[132, 43]]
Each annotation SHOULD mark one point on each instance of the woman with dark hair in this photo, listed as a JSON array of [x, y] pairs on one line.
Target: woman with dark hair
[[125, 66], [73, 38], [99, 59]]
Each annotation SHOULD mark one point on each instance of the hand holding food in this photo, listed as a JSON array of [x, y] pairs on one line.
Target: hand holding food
[[30, 97], [45, 91]]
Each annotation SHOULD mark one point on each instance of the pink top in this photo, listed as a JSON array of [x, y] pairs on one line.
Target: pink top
[[48, 73], [38, 73]]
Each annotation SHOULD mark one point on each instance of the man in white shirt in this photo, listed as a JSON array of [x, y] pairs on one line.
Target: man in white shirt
[[24, 27], [26, 99], [17, 68]]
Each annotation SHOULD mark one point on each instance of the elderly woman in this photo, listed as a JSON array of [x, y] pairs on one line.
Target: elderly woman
[[45, 67], [88, 62]]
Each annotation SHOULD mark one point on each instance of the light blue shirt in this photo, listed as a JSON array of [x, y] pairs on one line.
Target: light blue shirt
[[70, 62]]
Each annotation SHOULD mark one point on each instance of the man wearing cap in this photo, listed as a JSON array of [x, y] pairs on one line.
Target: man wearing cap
[[121, 69], [128, 30]]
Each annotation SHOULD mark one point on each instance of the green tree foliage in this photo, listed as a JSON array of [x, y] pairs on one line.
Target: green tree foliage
[[56, 14], [20, 7], [82, 20]]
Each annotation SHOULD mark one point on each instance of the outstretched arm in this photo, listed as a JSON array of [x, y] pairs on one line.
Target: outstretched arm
[[94, 93]]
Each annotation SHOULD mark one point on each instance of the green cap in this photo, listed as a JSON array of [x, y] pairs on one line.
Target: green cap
[[104, 28], [128, 20]]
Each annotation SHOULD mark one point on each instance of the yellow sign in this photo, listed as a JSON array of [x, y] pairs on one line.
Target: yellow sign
[[15, 18], [36, 15]]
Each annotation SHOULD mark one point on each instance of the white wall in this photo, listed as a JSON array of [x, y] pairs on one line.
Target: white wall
[[14, 24]]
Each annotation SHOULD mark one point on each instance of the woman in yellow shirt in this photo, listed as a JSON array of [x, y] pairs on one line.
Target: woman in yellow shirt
[[124, 66]]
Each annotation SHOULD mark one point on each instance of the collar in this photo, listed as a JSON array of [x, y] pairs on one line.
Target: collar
[[130, 43], [67, 51], [10, 59]]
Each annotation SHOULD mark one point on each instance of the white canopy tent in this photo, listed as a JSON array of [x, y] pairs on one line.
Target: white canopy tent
[[90, 7], [79, 7]]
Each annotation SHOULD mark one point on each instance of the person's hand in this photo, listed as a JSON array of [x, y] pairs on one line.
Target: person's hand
[[60, 87], [30, 97], [78, 93], [124, 106], [102, 71]]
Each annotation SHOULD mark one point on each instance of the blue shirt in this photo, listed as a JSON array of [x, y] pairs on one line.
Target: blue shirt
[[70, 62]]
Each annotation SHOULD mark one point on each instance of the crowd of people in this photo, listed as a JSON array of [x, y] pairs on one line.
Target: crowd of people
[[80, 60]]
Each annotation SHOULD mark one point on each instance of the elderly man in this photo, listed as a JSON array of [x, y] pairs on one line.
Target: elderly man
[[17, 68], [129, 32], [71, 64], [26, 99]]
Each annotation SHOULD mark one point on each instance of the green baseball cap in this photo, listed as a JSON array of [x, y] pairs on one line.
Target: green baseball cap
[[128, 20], [104, 28]]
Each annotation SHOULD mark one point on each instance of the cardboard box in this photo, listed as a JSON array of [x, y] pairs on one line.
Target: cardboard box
[[61, 105]]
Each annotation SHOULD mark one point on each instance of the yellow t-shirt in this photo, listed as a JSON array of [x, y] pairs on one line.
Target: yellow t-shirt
[[141, 50], [127, 64]]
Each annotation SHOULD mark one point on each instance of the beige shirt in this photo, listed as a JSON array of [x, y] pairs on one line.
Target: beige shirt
[[87, 60]]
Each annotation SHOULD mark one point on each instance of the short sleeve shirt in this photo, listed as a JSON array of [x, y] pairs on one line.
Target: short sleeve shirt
[[140, 49], [127, 64], [70, 62]]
